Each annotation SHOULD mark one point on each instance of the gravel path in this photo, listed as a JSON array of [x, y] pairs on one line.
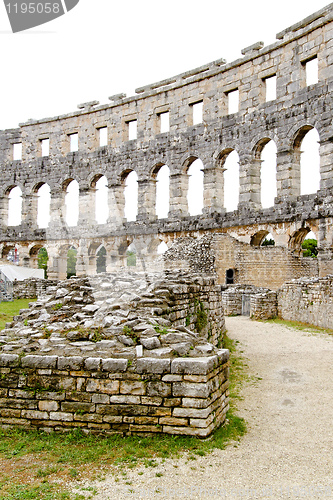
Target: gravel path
[[288, 450]]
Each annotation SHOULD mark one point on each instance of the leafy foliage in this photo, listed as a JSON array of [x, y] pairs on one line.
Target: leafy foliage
[[42, 260], [267, 243], [71, 262], [310, 248]]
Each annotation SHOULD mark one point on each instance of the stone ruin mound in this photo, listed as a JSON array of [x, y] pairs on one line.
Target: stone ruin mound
[[126, 353], [109, 315]]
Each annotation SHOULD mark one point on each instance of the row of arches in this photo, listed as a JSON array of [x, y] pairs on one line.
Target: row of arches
[[307, 150]]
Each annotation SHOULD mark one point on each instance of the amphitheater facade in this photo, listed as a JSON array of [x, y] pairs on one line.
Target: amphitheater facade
[[297, 108]]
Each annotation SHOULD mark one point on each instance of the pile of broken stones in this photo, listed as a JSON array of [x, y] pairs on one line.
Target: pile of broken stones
[[104, 316]]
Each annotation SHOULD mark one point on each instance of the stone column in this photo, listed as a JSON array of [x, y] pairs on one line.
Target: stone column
[[29, 211], [82, 259], [146, 200], [57, 212], [249, 182], [116, 202], [213, 190], [326, 163], [87, 216], [178, 195], [288, 173], [3, 212]]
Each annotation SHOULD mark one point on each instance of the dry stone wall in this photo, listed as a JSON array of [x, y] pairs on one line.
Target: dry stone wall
[[31, 288], [121, 353], [112, 395], [309, 301]]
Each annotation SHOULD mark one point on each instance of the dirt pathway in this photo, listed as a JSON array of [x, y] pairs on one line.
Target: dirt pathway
[[288, 450]]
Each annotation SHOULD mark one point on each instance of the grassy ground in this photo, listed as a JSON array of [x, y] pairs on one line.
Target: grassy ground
[[301, 326], [10, 309], [37, 465]]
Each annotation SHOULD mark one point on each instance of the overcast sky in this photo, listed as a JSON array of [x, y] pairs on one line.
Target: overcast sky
[[103, 47]]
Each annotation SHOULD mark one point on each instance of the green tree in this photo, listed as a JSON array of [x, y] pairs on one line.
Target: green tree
[[42, 260], [268, 242], [310, 248], [131, 258], [71, 262]]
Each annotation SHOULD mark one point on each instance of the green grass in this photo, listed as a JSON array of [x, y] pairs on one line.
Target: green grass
[[10, 309], [300, 326]]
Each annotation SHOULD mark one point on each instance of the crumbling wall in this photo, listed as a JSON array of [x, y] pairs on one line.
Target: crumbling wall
[[307, 300], [31, 288], [263, 305], [126, 353]]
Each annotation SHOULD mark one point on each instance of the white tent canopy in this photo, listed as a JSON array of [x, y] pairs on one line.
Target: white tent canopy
[[21, 273]]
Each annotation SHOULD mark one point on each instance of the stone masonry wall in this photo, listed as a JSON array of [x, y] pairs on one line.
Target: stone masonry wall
[[298, 107], [31, 288], [263, 306], [180, 396], [130, 352], [309, 301]]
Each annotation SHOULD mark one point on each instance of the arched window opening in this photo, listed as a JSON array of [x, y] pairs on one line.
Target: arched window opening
[[268, 175], [231, 181], [101, 260], [42, 259], [13, 255], [101, 200], [131, 255], [162, 248], [163, 192], [43, 206], [71, 262], [15, 206], [131, 196], [310, 163], [309, 245], [195, 188], [72, 203], [268, 241]]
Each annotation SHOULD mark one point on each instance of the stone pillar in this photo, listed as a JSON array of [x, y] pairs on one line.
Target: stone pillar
[[116, 202], [3, 212], [57, 212], [249, 182], [29, 211], [213, 190], [178, 195], [87, 216], [82, 259], [146, 200], [326, 163], [288, 173]]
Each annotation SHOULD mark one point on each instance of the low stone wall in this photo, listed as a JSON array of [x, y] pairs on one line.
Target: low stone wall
[[307, 300], [174, 396], [125, 352], [232, 298], [263, 306], [31, 288]]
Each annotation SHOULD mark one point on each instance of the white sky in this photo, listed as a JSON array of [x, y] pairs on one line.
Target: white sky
[[104, 47]]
